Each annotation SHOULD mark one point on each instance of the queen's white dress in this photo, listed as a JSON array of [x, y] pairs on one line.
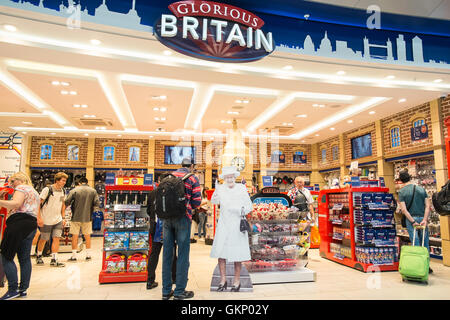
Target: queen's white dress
[[229, 242]]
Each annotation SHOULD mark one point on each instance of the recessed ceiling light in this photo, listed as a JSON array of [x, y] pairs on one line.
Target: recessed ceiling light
[[246, 101], [315, 105], [27, 122], [56, 83], [402, 100], [64, 92], [390, 77], [163, 109], [167, 52], [163, 119], [73, 93], [302, 116], [155, 109], [349, 121], [303, 141], [238, 101], [10, 27], [332, 129], [317, 134], [341, 73], [52, 133], [288, 67], [157, 118], [150, 136], [96, 42], [233, 112], [76, 105], [84, 106], [65, 84], [89, 116], [86, 134], [437, 80], [24, 132], [100, 128], [372, 112], [119, 135]]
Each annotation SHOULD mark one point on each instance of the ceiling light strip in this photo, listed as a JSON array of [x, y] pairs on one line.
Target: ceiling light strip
[[350, 111]]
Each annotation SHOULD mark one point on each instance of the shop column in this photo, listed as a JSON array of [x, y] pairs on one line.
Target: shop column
[[26, 155], [344, 170], [385, 169], [438, 144], [208, 164], [262, 161], [151, 157], [316, 177], [90, 162]]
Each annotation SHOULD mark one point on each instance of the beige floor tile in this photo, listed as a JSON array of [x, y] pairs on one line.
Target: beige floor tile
[[80, 281]]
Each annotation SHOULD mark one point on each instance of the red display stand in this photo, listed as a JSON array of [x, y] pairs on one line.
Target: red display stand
[[326, 230], [120, 277], [447, 144], [315, 193]]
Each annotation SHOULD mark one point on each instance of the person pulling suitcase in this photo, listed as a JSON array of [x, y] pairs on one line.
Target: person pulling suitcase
[[415, 260]]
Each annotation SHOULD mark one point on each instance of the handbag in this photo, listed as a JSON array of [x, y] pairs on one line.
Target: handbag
[[244, 225], [408, 207]]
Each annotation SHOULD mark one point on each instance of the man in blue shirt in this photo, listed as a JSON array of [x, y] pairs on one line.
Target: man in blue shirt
[[415, 205]]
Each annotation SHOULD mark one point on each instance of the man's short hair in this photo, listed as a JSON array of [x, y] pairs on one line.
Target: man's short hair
[[404, 176], [61, 175], [83, 180]]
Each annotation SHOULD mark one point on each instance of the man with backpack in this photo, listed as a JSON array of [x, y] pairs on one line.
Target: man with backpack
[[300, 190], [176, 197], [415, 205], [52, 214]]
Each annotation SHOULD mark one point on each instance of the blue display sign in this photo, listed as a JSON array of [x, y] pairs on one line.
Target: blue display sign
[[419, 133], [356, 182], [271, 200], [299, 158], [267, 181], [110, 179], [148, 179]]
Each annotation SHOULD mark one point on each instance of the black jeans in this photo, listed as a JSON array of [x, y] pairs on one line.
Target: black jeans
[[153, 262], [9, 266]]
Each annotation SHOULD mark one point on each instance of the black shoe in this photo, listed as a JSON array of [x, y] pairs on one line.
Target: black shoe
[[151, 285], [184, 295], [222, 287], [72, 259], [10, 295], [22, 294], [39, 260], [167, 297], [88, 258], [55, 263], [236, 289], [193, 241], [430, 270]]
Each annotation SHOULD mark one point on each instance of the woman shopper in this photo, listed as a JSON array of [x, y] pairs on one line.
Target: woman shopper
[[230, 244], [20, 229]]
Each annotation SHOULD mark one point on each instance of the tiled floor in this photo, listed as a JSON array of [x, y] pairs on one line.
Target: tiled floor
[[80, 281]]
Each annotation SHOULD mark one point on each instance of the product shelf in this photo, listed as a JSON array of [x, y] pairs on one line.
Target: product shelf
[[124, 257], [330, 243]]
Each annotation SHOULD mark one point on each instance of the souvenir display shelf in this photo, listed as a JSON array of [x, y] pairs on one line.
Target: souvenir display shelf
[[347, 232], [423, 173], [279, 240], [126, 240]]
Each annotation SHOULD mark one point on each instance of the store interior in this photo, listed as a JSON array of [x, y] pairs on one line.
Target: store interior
[[104, 101]]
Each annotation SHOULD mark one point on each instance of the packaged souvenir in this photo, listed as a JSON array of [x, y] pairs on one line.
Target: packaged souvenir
[[138, 240]]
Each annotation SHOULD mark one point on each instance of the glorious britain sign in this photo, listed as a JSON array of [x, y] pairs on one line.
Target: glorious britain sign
[[214, 31]]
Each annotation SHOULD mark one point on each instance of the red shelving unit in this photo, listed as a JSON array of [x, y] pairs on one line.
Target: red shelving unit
[[315, 193], [120, 277], [326, 229]]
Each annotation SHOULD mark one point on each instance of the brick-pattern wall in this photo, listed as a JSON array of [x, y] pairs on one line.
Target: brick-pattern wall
[[59, 153], [404, 118], [445, 112], [121, 153], [328, 145], [348, 146], [289, 150]]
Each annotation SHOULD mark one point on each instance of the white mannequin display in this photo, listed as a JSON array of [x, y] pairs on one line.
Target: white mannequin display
[[229, 242]]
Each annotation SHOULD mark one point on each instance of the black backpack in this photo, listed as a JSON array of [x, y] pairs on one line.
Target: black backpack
[[50, 193], [441, 200], [170, 198]]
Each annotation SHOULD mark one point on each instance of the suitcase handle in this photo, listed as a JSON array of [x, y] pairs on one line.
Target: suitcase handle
[[423, 235]]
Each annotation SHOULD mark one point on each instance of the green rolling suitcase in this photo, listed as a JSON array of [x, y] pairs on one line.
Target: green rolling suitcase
[[415, 261]]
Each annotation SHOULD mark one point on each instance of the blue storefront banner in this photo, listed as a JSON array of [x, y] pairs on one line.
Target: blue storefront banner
[[299, 27], [419, 133]]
